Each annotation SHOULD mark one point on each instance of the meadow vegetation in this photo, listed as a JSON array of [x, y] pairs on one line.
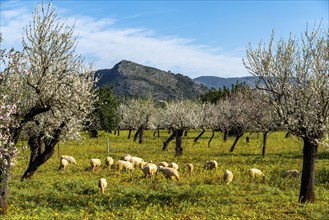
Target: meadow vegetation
[[73, 193]]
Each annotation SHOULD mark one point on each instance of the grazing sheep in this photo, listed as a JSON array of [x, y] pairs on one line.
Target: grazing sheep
[[254, 173], [210, 165], [102, 184], [95, 163], [124, 165], [169, 172], [125, 157], [163, 163], [109, 162], [150, 169], [173, 165], [189, 168], [293, 173], [63, 163], [137, 161], [228, 176], [69, 159]]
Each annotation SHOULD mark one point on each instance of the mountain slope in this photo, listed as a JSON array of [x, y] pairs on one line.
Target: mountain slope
[[129, 79], [219, 82]]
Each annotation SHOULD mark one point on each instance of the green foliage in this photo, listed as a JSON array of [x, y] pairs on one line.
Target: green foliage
[[214, 95], [107, 109], [73, 193]]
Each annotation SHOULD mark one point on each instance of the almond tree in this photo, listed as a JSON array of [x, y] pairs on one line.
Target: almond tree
[[181, 116], [53, 91], [137, 114], [264, 118], [295, 76]]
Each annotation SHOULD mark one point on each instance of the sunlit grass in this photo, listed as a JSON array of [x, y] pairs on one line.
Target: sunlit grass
[[73, 193]]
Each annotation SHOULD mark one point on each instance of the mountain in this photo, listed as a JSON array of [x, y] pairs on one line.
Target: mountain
[[129, 79], [219, 82]]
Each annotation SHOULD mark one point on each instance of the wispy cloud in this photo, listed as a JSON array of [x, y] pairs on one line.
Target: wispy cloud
[[101, 42]]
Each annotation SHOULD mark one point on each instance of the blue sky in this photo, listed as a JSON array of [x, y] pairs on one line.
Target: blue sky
[[190, 37]]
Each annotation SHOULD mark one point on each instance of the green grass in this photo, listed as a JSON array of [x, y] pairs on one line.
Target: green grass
[[73, 194]]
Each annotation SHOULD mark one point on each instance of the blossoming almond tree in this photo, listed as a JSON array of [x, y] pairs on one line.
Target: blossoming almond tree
[[295, 76], [51, 88]]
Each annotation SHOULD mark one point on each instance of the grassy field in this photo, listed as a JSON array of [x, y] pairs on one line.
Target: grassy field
[[73, 194]]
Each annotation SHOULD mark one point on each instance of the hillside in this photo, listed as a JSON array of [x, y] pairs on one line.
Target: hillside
[[219, 82], [129, 79]]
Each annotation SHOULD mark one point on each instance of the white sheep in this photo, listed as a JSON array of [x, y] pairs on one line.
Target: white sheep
[[69, 159], [169, 172], [254, 173], [63, 163], [228, 176], [190, 168], [137, 161], [150, 169], [102, 184], [210, 165], [109, 162], [173, 165], [94, 163], [124, 165], [163, 163], [125, 157], [293, 173]]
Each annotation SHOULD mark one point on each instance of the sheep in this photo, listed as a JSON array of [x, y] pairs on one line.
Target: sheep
[[228, 176], [102, 184], [163, 163], [69, 159], [63, 163], [173, 165], [150, 169], [124, 165], [254, 173], [95, 163], [169, 172], [125, 157], [210, 165], [137, 161], [189, 168], [293, 173], [109, 162]]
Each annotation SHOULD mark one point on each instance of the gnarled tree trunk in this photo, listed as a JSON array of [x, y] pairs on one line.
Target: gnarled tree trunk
[[212, 136], [307, 185], [38, 155], [179, 138], [237, 137]]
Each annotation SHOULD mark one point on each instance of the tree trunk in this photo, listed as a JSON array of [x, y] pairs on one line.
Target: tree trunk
[[166, 143], [4, 176], [264, 142], [141, 136], [225, 135], [179, 137], [185, 133], [136, 134], [129, 133], [236, 141], [200, 135], [46, 154], [212, 136], [307, 193]]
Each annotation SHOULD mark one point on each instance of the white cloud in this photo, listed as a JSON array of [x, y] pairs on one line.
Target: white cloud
[[104, 44]]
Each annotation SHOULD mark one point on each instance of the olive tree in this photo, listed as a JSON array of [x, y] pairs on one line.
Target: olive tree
[[54, 92], [295, 76]]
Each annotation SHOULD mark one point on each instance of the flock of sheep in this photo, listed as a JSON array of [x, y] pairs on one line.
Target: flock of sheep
[[169, 170]]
